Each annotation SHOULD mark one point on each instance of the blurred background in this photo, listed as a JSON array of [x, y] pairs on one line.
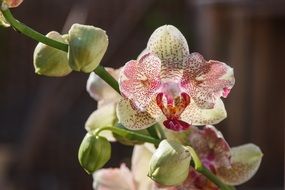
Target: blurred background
[[42, 119]]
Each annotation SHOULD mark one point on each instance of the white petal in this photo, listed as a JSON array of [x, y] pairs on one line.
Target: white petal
[[132, 118], [197, 116], [103, 117], [140, 161], [169, 44]]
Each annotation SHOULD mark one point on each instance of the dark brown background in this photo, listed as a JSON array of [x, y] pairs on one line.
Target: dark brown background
[[42, 119]]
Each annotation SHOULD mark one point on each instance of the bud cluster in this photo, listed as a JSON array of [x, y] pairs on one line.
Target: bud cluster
[[86, 48]]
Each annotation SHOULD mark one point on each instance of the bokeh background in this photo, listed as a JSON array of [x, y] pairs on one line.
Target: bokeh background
[[42, 119]]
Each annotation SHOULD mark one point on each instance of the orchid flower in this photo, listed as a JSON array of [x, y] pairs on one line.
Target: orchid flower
[[168, 83]]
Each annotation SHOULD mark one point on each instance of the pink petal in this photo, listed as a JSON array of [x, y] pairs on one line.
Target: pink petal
[[206, 81], [139, 80], [196, 181], [114, 179], [211, 147], [13, 3]]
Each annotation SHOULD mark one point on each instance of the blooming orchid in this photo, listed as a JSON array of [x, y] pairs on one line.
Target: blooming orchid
[[168, 83]]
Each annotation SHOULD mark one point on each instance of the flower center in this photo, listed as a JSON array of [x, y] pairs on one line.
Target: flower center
[[172, 103]]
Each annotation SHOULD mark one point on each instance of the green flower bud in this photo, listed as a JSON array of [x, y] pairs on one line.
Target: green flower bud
[[170, 163], [87, 46], [50, 61], [94, 153]]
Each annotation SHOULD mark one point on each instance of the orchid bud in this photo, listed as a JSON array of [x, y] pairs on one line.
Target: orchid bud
[[170, 163], [50, 61], [87, 46], [94, 152]]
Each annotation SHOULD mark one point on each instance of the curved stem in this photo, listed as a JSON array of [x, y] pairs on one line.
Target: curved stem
[[203, 170], [22, 28], [129, 135], [29, 32]]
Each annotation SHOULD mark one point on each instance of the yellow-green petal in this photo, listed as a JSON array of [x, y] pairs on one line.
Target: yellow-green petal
[[245, 160], [197, 116]]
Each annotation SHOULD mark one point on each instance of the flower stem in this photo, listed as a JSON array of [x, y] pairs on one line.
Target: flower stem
[[129, 135], [29, 32], [161, 132], [203, 170], [22, 28], [152, 131], [107, 77]]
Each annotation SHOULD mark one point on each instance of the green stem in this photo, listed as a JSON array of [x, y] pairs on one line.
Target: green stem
[[203, 170], [129, 135], [29, 32], [107, 77], [152, 131], [160, 130]]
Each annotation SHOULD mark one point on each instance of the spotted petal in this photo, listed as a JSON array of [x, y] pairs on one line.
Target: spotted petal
[[132, 118], [206, 81], [245, 160], [169, 44], [139, 80], [211, 147], [194, 115]]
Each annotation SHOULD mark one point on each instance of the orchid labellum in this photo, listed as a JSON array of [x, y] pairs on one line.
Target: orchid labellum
[[167, 83]]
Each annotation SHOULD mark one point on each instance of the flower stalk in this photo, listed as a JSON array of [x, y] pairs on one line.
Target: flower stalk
[[128, 134], [29, 32]]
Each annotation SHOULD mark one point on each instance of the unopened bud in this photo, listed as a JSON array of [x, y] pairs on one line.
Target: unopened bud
[[50, 61], [94, 153], [87, 46], [170, 163]]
